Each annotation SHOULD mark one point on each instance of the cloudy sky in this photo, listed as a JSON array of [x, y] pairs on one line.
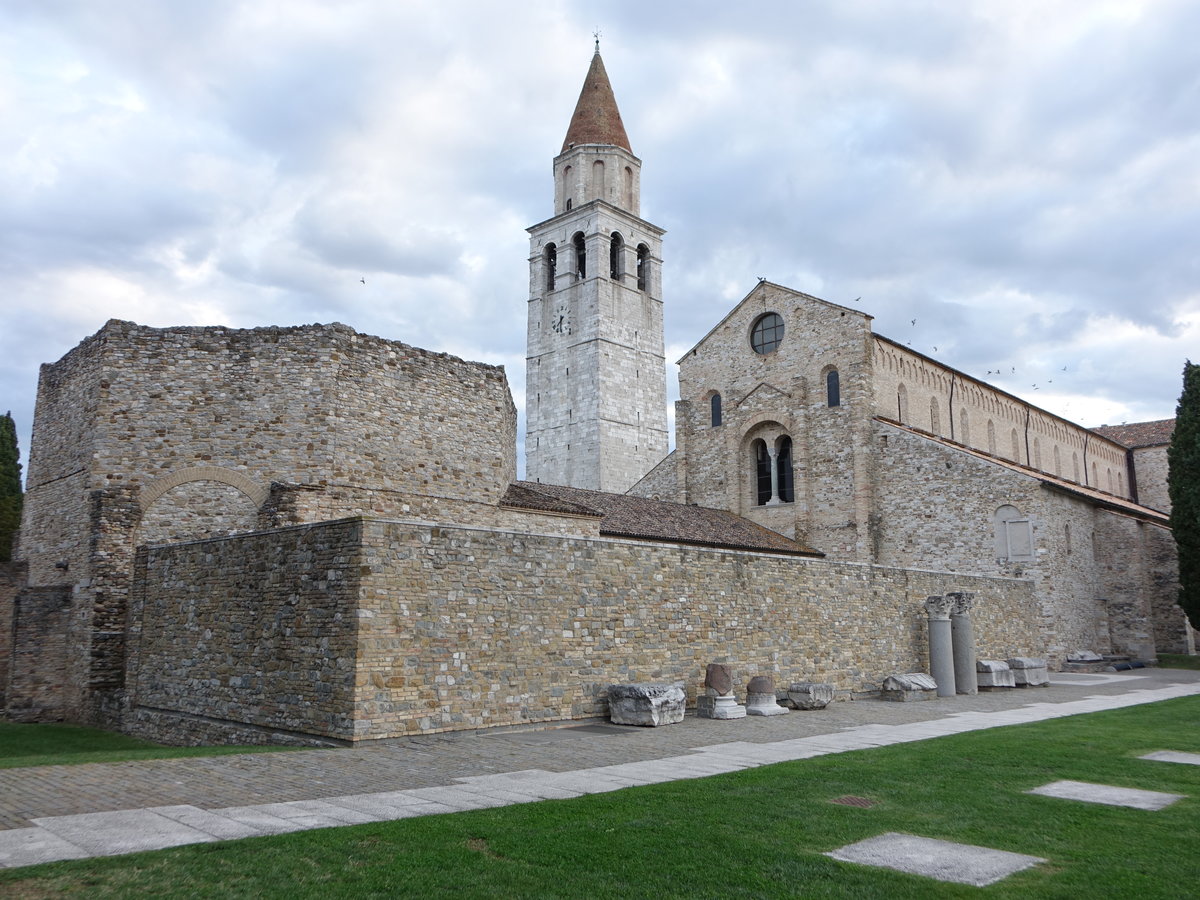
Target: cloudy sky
[[1023, 179]]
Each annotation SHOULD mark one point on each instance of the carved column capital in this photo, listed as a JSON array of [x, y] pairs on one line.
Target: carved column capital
[[938, 606], [963, 601]]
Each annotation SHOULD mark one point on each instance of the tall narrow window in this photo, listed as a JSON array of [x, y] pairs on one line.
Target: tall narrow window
[[1057, 461], [1037, 454], [551, 265], [1016, 447], [616, 256], [964, 427], [628, 189], [762, 471], [991, 437], [716, 409], [902, 403], [1075, 467], [783, 467], [643, 267], [598, 187], [568, 188], [935, 421], [833, 388], [580, 255]]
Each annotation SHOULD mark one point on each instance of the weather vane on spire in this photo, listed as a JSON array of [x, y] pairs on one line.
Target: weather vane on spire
[[597, 34]]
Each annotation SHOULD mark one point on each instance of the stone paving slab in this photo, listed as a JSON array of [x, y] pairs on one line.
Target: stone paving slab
[[388, 806], [126, 831], [33, 845], [941, 860], [265, 822], [220, 827], [1109, 795], [1174, 756]]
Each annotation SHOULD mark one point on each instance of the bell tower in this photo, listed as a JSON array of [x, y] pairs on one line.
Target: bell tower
[[596, 399]]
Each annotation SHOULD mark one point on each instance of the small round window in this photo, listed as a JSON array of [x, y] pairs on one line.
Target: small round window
[[767, 333]]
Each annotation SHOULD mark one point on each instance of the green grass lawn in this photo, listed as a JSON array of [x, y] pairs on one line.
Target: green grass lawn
[[1178, 661], [755, 833], [57, 745]]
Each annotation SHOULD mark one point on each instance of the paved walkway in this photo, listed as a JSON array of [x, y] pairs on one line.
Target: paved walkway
[[68, 812]]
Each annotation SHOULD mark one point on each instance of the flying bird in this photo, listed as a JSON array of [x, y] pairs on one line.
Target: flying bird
[[363, 280], [856, 299], [914, 321]]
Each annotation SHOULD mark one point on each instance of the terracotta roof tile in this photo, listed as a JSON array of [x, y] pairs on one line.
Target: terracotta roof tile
[[657, 520], [1139, 434], [596, 119]]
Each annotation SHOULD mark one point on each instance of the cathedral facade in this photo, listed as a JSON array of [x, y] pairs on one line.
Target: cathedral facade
[[273, 535]]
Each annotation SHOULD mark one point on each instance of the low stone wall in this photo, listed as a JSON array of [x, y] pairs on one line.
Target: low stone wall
[[467, 628], [363, 629]]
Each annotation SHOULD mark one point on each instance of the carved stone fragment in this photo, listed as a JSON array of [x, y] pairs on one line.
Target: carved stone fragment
[[993, 675], [646, 704], [910, 686], [1029, 671], [810, 695]]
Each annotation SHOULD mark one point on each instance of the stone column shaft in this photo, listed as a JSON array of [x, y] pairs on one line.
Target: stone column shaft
[[941, 646], [962, 634]]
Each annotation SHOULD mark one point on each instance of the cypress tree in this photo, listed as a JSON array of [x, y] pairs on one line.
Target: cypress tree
[[1183, 480], [10, 486]]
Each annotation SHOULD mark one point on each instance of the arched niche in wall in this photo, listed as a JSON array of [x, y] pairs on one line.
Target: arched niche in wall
[[199, 502]]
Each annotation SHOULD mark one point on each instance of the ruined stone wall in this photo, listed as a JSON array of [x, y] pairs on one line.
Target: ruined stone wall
[[1150, 464], [784, 392], [1139, 578], [1171, 631], [920, 392], [38, 688], [247, 635], [12, 578], [466, 628]]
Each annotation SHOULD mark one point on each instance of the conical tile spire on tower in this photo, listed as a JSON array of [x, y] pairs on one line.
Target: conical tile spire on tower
[[596, 119]]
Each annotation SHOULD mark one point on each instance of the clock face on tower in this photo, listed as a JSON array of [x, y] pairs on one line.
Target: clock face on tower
[[560, 321]]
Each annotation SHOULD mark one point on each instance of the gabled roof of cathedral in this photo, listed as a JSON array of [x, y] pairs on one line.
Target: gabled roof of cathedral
[[654, 520], [596, 119], [1139, 434]]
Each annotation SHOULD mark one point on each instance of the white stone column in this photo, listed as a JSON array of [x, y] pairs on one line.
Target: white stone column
[[941, 646], [962, 635], [772, 454]]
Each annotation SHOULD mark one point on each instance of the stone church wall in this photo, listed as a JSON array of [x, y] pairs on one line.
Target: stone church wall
[[784, 392], [917, 391], [1150, 464]]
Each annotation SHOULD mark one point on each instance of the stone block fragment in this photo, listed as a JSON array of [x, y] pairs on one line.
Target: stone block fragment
[[810, 695], [910, 686], [994, 675], [1029, 671], [760, 697], [645, 704], [1084, 656]]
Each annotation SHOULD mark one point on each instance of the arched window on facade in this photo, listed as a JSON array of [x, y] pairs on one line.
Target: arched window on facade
[[1037, 454], [902, 403], [598, 186], [616, 256], [551, 265], [783, 469], [580, 255], [964, 427], [1120, 484], [1014, 534], [628, 192], [1110, 481], [643, 267], [762, 472], [715, 409], [1057, 461], [568, 188], [1095, 476], [935, 420], [1075, 466], [833, 388], [1016, 447], [991, 437]]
